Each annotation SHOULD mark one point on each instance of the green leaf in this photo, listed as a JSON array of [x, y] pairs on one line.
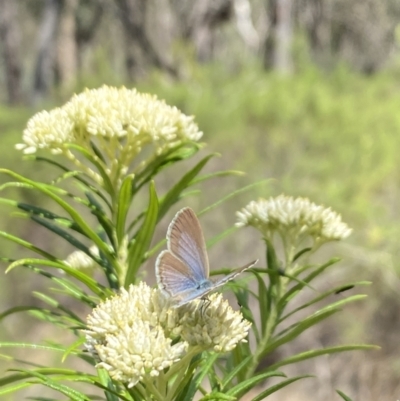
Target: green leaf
[[264, 301], [215, 395], [298, 328], [300, 253], [212, 241], [295, 289], [73, 394], [277, 387], [171, 156], [235, 371], [344, 396], [323, 296], [231, 195], [83, 278], [323, 351], [271, 258], [45, 189], [96, 162], [14, 388], [188, 388], [173, 195], [123, 203], [27, 245], [223, 173], [107, 383], [5, 344], [77, 344], [141, 243], [77, 177], [245, 385]]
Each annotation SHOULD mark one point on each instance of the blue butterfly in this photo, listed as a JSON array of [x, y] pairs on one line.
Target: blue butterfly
[[182, 270]]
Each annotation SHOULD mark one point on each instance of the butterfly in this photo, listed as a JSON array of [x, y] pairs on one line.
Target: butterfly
[[182, 271]]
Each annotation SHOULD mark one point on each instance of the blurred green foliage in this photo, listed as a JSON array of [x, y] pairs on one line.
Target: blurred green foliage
[[332, 136]]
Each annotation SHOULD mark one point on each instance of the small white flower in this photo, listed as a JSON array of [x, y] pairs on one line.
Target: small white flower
[[81, 261], [120, 122], [47, 130], [212, 324], [127, 333], [293, 217]]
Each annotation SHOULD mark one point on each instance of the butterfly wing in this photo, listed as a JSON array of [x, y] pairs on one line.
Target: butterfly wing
[[231, 276], [176, 279], [186, 241]]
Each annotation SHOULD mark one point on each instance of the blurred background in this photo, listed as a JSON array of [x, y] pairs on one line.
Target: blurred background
[[305, 93]]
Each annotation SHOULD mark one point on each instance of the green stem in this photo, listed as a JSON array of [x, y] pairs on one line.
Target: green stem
[[271, 323], [180, 367], [142, 391], [150, 387]]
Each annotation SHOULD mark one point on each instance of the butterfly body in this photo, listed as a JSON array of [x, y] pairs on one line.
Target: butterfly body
[[182, 270]]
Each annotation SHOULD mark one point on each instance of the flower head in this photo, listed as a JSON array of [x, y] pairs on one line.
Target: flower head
[[126, 333], [119, 122], [293, 217], [82, 261], [137, 334], [212, 324]]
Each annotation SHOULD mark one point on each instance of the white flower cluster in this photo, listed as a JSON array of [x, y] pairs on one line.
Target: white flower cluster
[[293, 217], [213, 324], [81, 261], [109, 112], [136, 334], [126, 335], [120, 122]]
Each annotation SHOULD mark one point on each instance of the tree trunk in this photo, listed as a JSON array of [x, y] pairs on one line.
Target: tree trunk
[[206, 15], [140, 52], [44, 70], [9, 37], [67, 60], [278, 45]]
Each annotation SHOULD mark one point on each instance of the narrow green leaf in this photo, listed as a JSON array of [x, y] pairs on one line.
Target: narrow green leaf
[[215, 395], [5, 344], [27, 245], [223, 173], [295, 289], [123, 203], [323, 296], [14, 388], [245, 385], [83, 278], [323, 351], [277, 387], [344, 396], [107, 383], [172, 196], [212, 241], [300, 253], [96, 162], [231, 195], [69, 209], [78, 177], [141, 243], [97, 210], [63, 234], [17, 309], [298, 328], [264, 300], [160, 162], [71, 349], [234, 372], [187, 389], [73, 394]]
